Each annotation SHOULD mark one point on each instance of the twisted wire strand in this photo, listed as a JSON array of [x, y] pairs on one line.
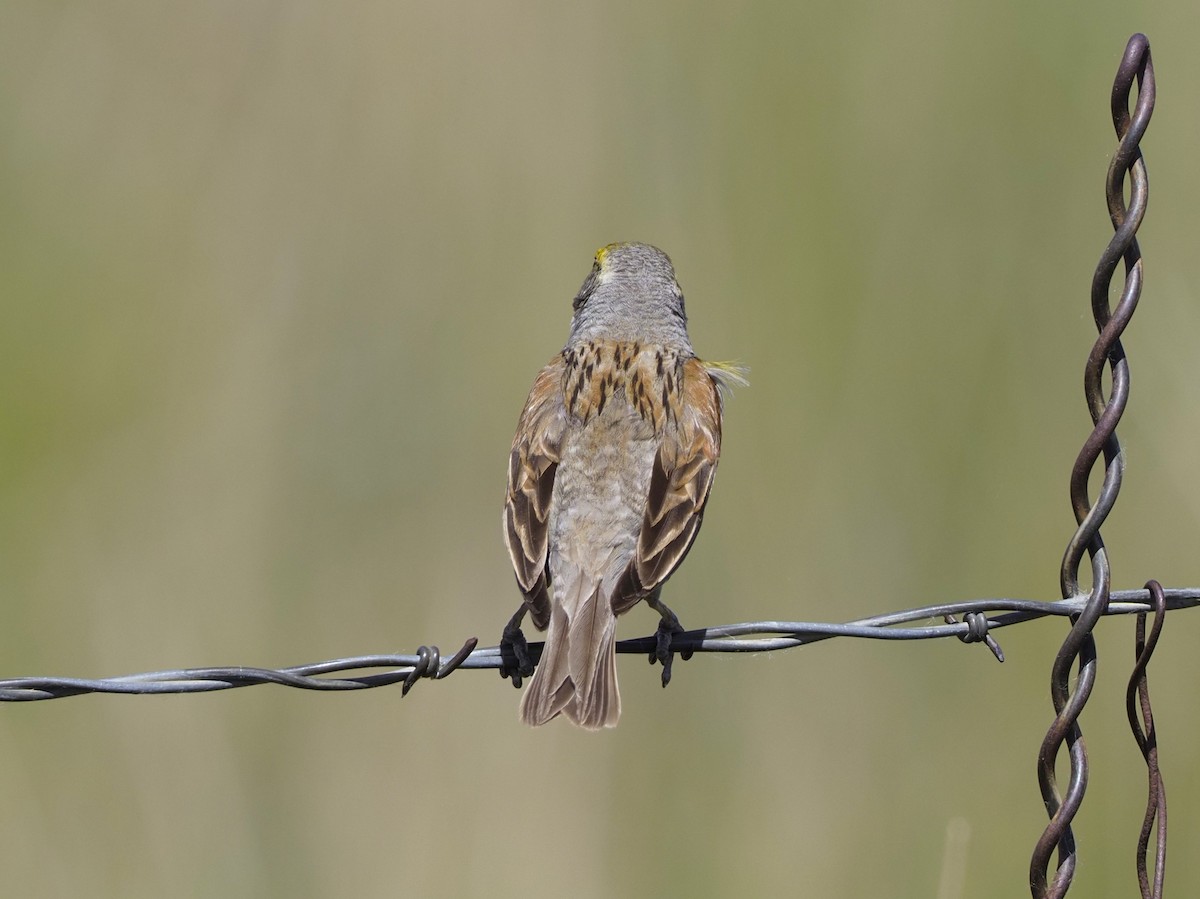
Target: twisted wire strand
[[983, 617], [1079, 647], [1137, 698]]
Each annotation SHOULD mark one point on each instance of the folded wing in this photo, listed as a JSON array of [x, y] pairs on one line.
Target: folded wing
[[536, 452], [679, 486]]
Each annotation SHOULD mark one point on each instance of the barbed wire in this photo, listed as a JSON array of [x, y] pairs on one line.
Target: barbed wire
[[982, 617]]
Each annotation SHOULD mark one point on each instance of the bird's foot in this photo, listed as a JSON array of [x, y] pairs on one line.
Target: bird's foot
[[664, 654], [515, 662]]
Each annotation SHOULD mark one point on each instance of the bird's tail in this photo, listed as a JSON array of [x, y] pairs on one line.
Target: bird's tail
[[577, 674]]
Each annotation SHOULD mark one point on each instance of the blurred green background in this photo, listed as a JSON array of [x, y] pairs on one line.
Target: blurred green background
[[276, 278]]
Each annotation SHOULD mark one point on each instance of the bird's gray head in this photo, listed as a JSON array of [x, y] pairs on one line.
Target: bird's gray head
[[631, 294]]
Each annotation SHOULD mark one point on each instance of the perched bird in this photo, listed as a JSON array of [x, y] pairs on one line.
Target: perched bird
[[611, 466]]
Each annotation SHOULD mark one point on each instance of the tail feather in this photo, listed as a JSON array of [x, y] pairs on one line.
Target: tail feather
[[597, 700], [551, 688], [577, 674]]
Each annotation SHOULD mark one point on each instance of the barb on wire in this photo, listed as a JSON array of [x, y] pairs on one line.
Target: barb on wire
[[983, 616], [1137, 698], [1079, 644]]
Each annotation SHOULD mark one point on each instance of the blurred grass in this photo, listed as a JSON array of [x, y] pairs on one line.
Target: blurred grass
[[275, 280]]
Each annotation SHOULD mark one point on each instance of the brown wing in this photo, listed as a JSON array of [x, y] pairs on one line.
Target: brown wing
[[531, 467], [679, 485]]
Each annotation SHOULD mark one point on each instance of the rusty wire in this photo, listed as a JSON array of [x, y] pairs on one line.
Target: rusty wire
[[1137, 698], [1079, 647], [982, 617]]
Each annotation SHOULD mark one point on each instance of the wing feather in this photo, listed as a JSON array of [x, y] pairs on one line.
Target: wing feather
[[680, 482], [536, 452]]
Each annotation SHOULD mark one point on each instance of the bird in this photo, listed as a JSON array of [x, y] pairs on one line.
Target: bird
[[611, 467]]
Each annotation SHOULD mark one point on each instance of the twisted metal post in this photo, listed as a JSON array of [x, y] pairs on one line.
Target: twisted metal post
[[1079, 645], [1137, 698]]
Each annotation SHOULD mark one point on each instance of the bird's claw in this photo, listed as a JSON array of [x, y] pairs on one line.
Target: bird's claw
[[663, 653], [515, 662]]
